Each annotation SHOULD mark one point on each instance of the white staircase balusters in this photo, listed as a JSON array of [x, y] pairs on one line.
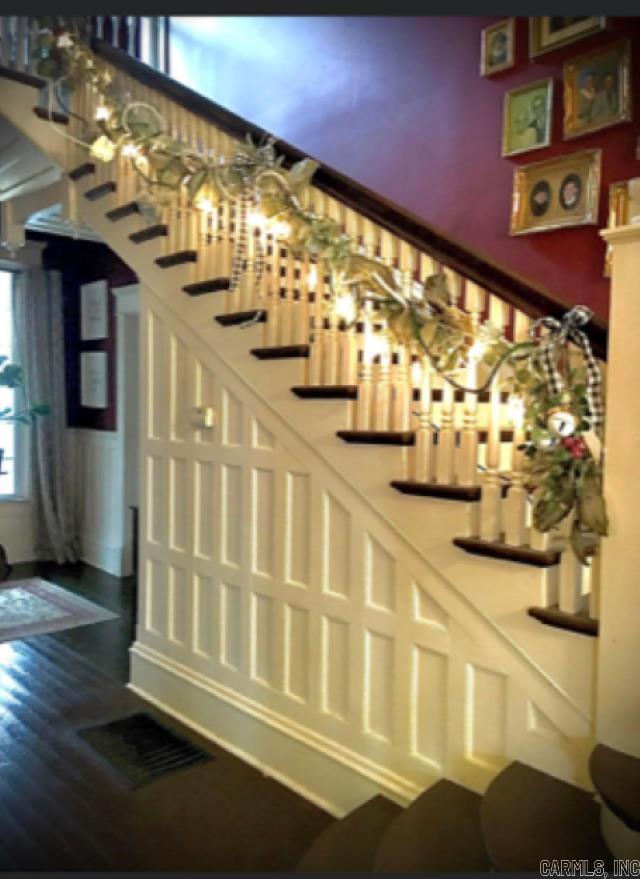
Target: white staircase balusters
[[468, 457], [423, 458], [444, 470]]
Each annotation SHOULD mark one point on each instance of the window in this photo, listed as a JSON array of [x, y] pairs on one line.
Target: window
[[8, 481]]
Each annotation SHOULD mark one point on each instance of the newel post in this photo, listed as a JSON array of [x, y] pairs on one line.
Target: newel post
[[618, 680]]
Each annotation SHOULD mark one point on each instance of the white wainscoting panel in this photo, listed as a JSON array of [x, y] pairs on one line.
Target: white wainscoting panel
[[279, 615]]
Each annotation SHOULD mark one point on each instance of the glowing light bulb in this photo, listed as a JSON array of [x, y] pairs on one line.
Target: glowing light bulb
[[416, 374], [375, 345], [515, 410], [345, 307], [130, 150], [281, 229], [102, 113], [256, 219], [205, 204], [476, 351], [312, 277]]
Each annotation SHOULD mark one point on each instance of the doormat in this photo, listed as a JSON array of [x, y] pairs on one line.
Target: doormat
[[35, 607], [142, 749]]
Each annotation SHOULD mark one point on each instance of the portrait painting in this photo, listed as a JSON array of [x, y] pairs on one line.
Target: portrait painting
[[558, 192], [497, 47], [548, 32], [597, 90], [527, 115]]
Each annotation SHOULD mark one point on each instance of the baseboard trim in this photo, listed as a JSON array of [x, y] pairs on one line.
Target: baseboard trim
[[322, 771], [105, 556]]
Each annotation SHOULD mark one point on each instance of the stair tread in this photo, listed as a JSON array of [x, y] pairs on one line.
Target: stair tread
[[213, 285], [326, 392], [541, 558], [101, 190], [235, 318], [149, 233], [177, 259], [580, 623], [469, 493], [54, 116], [528, 816], [379, 437], [82, 171], [22, 76], [438, 833], [616, 777], [349, 845], [128, 209], [278, 352]]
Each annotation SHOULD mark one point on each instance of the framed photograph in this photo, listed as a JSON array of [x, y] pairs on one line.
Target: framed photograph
[[93, 380], [526, 120], [597, 90], [559, 192], [93, 311], [497, 48], [548, 32]]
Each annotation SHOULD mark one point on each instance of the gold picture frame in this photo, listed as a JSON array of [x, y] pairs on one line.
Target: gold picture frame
[[497, 47], [527, 117], [597, 90], [555, 193], [549, 32]]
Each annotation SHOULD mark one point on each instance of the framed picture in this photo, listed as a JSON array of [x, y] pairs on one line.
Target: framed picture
[[563, 191], [93, 380], [597, 90], [548, 32], [526, 120], [93, 311], [497, 47]]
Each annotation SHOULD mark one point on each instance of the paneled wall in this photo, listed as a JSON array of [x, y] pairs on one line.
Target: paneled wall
[[278, 615]]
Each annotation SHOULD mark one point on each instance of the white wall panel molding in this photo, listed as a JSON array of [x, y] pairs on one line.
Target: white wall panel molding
[[271, 583]]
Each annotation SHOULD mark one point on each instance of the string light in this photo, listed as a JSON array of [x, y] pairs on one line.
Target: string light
[[130, 150], [476, 351], [257, 219], [281, 229], [345, 307], [375, 345], [102, 113], [312, 277], [416, 374], [516, 410]]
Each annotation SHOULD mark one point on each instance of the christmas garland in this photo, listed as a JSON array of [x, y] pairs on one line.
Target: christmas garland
[[562, 408]]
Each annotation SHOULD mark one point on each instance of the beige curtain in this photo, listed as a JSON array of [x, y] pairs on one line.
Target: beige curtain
[[40, 351]]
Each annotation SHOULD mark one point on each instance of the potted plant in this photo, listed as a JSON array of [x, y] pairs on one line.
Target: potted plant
[[11, 376]]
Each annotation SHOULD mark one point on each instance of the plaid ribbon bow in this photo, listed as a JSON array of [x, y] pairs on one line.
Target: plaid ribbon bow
[[569, 330]]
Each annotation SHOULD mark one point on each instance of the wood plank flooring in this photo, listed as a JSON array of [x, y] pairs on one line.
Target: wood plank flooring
[[63, 808]]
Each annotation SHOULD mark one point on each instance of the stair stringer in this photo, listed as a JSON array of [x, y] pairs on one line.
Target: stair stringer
[[420, 535]]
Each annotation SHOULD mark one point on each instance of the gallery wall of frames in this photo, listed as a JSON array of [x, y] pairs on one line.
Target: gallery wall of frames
[[402, 105]]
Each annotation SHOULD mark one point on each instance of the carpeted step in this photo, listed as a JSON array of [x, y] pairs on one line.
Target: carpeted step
[[349, 845], [438, 833], [528, 816], [616, 777]]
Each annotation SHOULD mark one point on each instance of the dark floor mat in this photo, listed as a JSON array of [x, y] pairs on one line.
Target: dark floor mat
[[142, 749]]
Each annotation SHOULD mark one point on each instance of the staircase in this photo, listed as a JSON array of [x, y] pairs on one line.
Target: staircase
[[436, 475]]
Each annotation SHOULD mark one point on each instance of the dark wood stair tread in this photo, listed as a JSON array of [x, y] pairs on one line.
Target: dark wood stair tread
[[524, 555], [379, 437], [326, 392], [149, 233], [349, 845], [100, 191], [128, 209], [23, 77], [54, 116], [82, 171], [280, 352], [528, 816], [438, 833], [177, 259], [581, 623], [235, 318], [469, 493], [616, 777], [214, 285]]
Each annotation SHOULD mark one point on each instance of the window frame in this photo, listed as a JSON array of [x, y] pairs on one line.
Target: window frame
[[21, 488]]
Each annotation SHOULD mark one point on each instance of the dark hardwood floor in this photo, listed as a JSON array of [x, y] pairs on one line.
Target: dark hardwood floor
[[63, 808]]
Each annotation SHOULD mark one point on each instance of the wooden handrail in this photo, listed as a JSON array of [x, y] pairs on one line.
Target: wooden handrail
[[530, 299]]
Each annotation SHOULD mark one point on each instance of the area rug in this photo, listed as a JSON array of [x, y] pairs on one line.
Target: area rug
[[35, 606]]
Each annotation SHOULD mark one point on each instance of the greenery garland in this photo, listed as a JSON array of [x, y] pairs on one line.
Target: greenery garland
[[563, 472]]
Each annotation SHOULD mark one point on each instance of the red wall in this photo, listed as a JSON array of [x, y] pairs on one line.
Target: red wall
[[399, 105], [81, 262]]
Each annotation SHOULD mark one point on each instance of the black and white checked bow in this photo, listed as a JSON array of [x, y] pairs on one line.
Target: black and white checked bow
[[559, 333]]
